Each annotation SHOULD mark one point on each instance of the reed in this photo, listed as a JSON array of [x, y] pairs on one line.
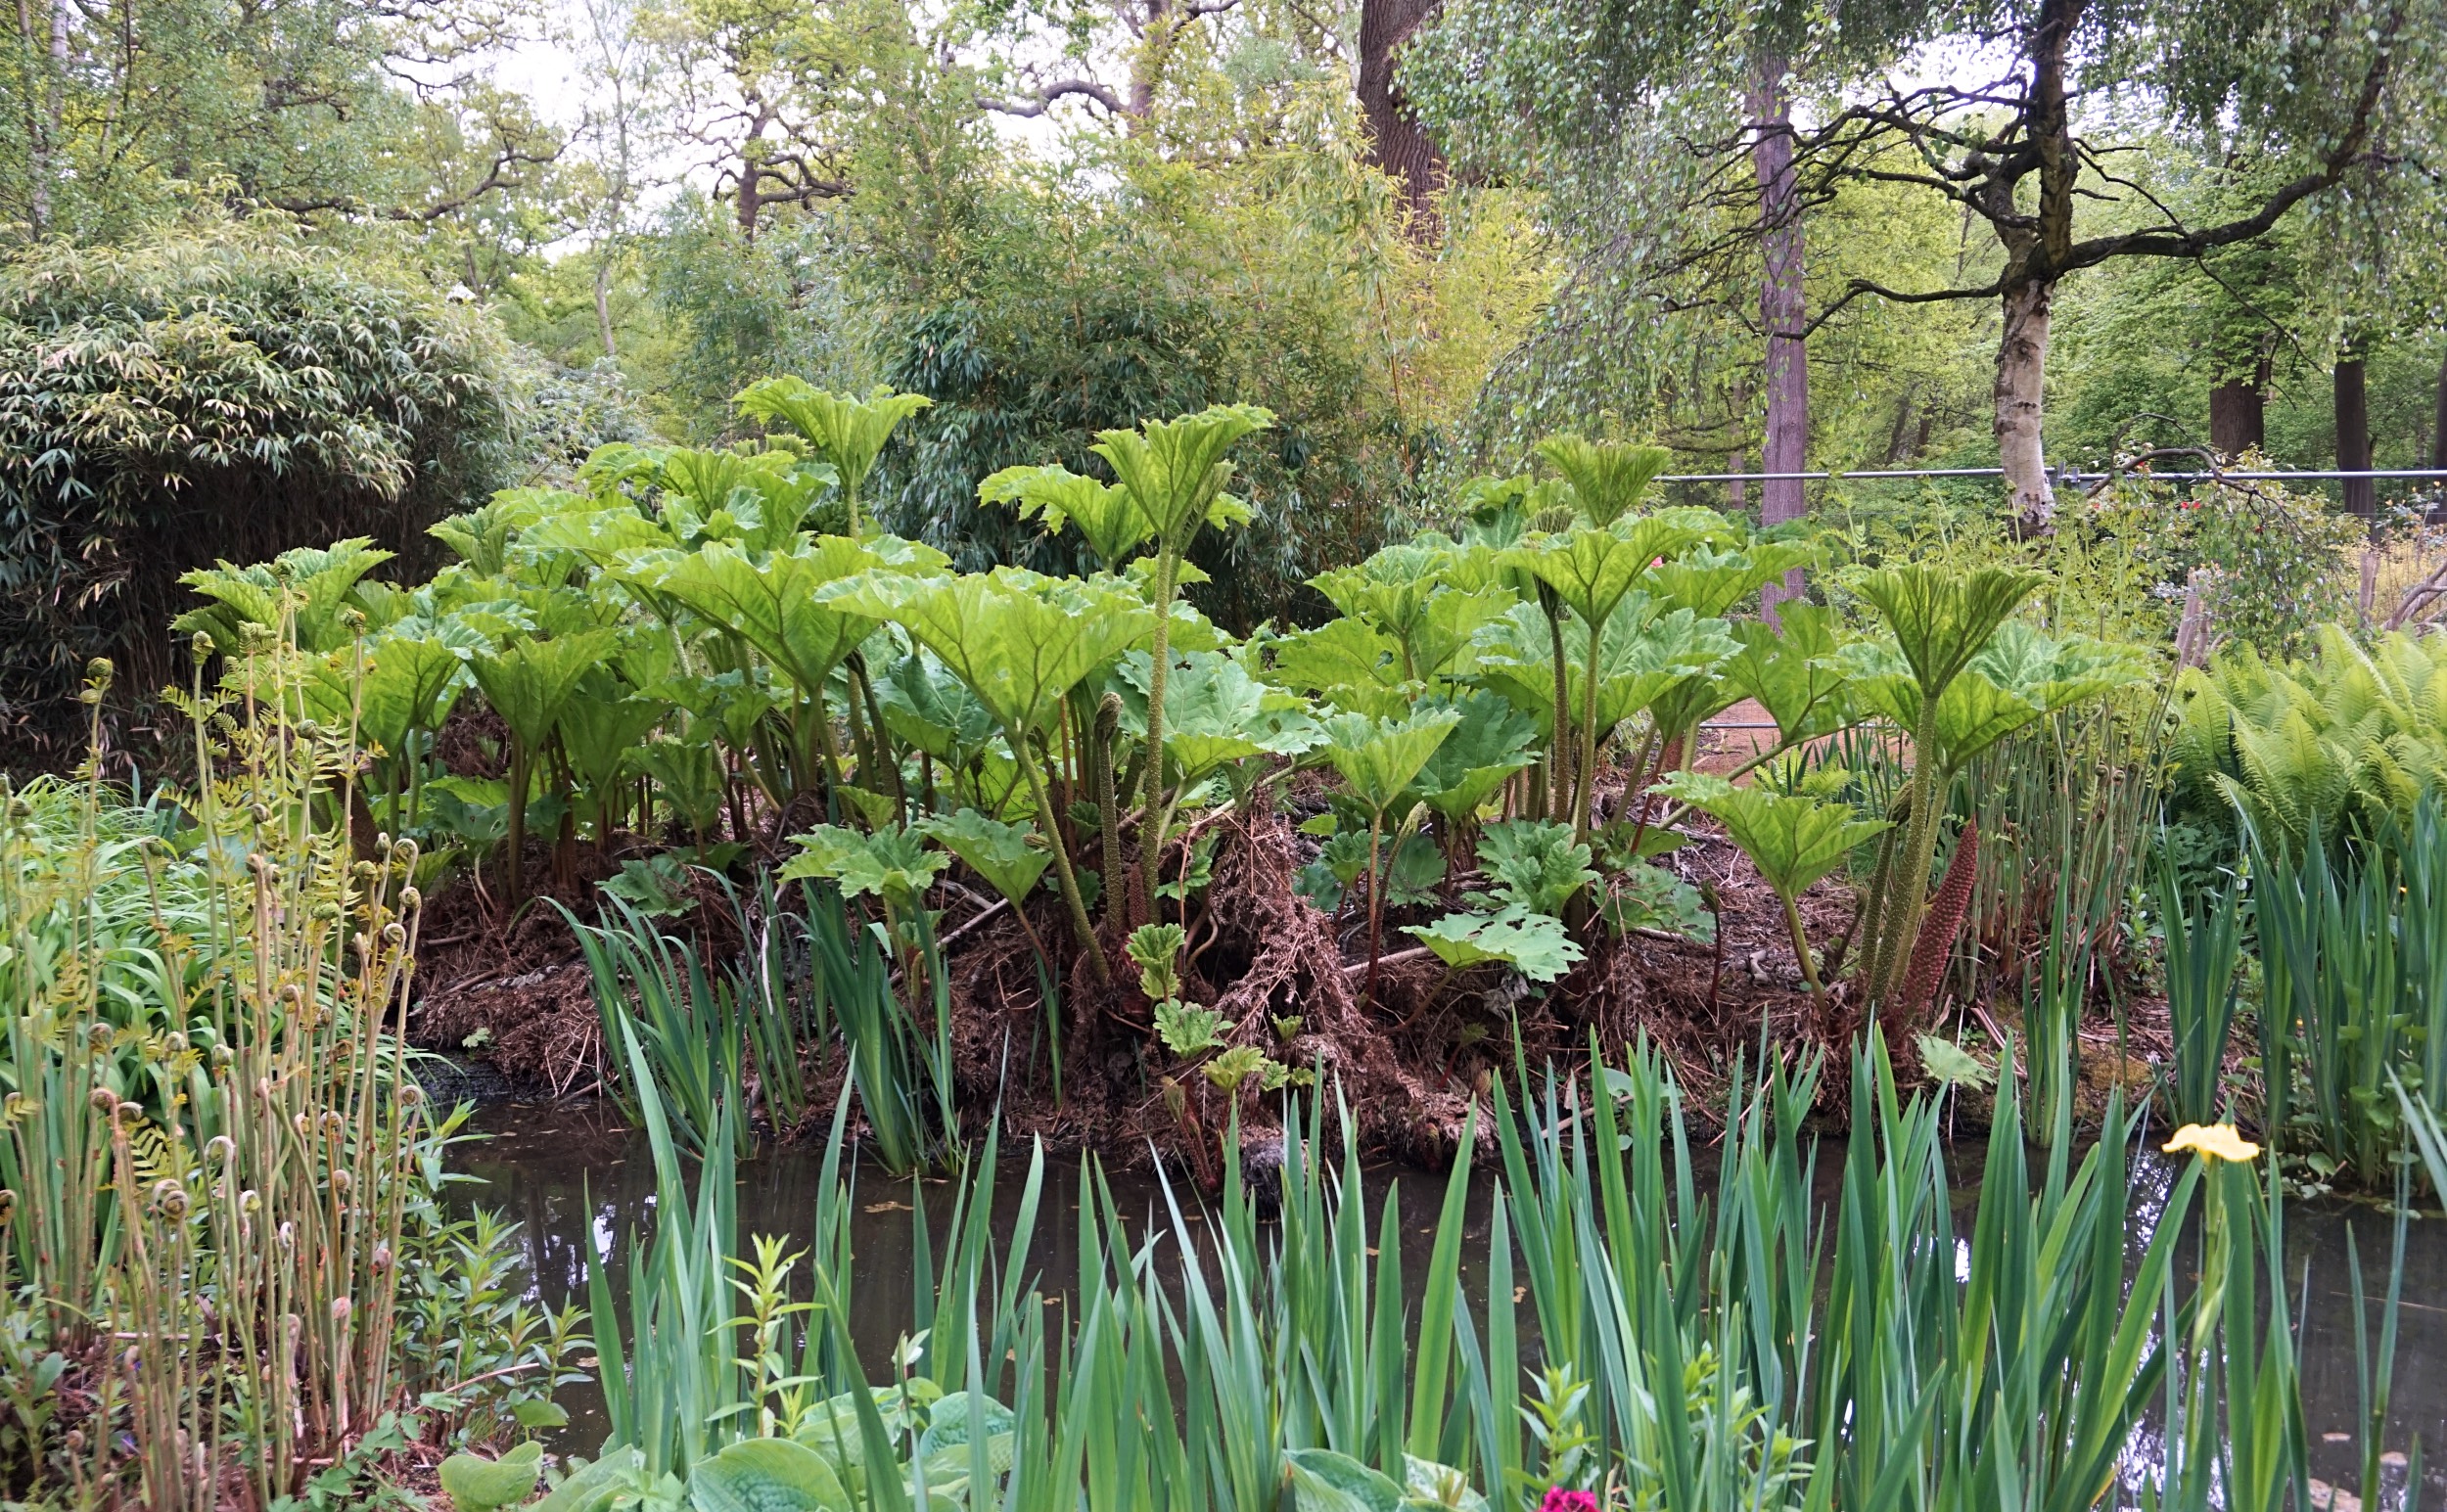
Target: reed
[[1700, 1340]]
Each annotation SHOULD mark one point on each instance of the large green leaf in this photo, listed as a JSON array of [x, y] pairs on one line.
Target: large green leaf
[[846, 431], [1792, 840], [1607, 479], [1214, 712], [1105, 513], [1709, 582], [931, 709], [1534, 944], [1593, 568], [593, 1488], [773, 601], [997, 852], [413, 677], [1350, 664], [892, 864], [1492, 741], [529, 682], [1378, 758], [1940, 617], [1176, 469], [601, 726], [1019, 640], [1535, 864], [1797, 675], [767, 1475]]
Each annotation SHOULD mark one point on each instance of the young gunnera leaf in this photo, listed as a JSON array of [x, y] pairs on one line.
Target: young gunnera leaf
[[1534, 944], [891, 863]]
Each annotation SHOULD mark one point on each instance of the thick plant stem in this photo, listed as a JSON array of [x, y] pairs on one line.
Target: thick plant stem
[[1376, 904], [1586, 779], [521, 777], [1098, 760], [1158, 809], [1061, 861], [1558, 759], [1907, 886], [1801, 953]]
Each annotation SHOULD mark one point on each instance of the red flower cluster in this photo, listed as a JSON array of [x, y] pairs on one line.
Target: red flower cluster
[[1560, 1501]]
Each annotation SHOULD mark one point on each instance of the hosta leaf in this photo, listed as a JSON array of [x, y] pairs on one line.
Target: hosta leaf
[[767, 1475], [477, 1484]]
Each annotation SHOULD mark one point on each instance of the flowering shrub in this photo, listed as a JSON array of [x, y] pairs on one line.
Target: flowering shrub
[[1560, 1501]]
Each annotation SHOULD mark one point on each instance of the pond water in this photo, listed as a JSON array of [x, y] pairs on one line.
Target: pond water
[[577, 1181]]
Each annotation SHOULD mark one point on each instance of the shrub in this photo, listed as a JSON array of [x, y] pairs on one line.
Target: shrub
[[219, 396]]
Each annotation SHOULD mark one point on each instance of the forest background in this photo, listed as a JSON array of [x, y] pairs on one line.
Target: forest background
[[284, 270]]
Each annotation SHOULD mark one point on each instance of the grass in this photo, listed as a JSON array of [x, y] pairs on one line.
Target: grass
[[1712, 1340]]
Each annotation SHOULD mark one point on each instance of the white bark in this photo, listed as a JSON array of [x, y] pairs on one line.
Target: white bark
[[2021, 373]]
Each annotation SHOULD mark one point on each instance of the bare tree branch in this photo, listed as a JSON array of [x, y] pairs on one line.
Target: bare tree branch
[[1040, 99]]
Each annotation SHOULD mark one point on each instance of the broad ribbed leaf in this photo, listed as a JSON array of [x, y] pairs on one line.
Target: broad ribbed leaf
[[846, 431], [1492, 741], [1018, 639], [1940, 618], [1607, 479], [891, 863], [1349, 664], [1793, 841], [773, 603], [1105, 513], [997, 852], [1378, 758], [528, 682], [1176, 469], [1796, 673]]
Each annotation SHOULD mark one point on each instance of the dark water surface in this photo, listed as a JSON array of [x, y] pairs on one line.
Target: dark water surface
[[578, 1182]]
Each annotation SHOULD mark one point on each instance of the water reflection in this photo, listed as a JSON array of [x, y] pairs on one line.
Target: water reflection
[[571, 1174]]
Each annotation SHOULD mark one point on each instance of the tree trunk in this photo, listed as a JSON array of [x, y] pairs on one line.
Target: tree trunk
[[2238, 414], [1782, 312], [2353, 434], [1737, 490], [2021, 373], [1396, 143], [2438, 418], [603, 300]]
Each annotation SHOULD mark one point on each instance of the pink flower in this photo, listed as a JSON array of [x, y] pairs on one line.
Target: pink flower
[[1560, 1501]]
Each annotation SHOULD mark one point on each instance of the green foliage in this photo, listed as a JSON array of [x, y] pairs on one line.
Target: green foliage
[[230, 395], [1533, 865], [1534, 944], [2337, 743], [845, 430]]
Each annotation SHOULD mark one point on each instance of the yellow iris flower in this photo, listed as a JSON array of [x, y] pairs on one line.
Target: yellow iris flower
[[2212, 1141]]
